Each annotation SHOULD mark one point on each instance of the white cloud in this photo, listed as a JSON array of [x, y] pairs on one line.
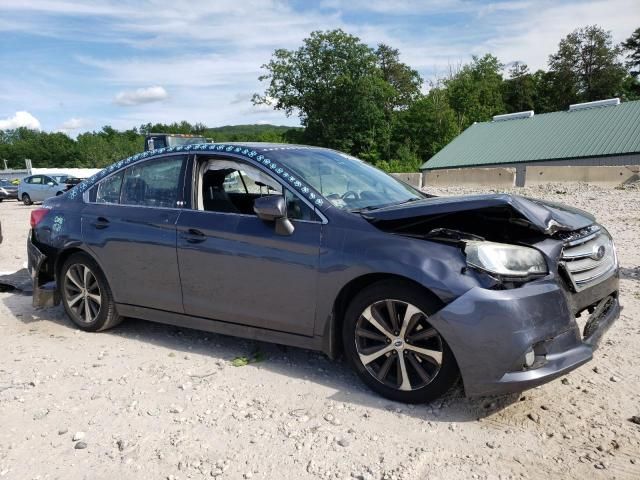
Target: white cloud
[[73, 124], [140, 96], [20, 119]]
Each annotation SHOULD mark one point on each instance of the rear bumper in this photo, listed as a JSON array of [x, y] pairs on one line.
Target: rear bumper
[[490, 331], [45, 292]]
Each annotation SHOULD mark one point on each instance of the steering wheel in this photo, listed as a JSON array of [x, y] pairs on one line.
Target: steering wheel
[[350, 193]]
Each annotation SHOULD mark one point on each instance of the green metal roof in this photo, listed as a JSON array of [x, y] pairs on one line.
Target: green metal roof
[[588, 132]]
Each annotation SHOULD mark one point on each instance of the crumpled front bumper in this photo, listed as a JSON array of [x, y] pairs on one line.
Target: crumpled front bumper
[[489, 332], [45, 292]]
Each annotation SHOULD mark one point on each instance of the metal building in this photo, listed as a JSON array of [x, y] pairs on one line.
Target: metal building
[[601, 133]]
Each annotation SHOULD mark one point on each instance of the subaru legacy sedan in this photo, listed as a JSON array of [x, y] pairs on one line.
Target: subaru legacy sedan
[[313, 248]]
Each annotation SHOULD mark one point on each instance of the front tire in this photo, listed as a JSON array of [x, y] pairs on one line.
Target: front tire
[[86, 295], [26, 199], [393, 348]]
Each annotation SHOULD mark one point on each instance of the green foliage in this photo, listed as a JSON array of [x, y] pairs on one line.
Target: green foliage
[[631, 47], [519, 90], [475, 92], [102, 148], [344, 92], [586, 67]]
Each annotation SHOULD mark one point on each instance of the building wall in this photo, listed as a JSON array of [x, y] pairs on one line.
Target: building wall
[[520, 168]]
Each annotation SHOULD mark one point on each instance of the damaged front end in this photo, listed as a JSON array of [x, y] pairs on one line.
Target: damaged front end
[[539, 268]]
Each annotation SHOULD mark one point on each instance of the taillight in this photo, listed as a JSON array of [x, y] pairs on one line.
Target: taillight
[[37, 215]]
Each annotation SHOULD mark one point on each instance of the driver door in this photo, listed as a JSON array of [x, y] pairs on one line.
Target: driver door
[[233, 266]]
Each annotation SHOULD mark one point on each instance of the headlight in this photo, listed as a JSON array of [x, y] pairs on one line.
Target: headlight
[[504, 260]]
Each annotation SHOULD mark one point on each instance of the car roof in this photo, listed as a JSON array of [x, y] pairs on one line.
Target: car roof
[[256, 151]]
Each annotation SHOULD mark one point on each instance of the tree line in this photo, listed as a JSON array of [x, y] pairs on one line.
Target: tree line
[[366, 102]]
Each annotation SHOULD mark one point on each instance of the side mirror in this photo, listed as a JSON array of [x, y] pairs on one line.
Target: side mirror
[[273, 208], [51, 184]]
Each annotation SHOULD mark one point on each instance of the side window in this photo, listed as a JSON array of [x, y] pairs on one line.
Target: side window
[[297, 209], [154, 183], [108, 190], [36, 180], [229, 186]]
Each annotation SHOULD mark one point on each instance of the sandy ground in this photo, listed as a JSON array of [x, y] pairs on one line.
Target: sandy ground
[[159, 402]]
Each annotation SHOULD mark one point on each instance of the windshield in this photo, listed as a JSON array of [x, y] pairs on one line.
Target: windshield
[[60, 178], [348, 183]]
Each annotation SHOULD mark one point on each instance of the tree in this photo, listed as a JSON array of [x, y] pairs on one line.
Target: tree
[[586, 67], [519, 90], [544, 98], [427, 125], [334, 84], [632, 46], [475, 91]]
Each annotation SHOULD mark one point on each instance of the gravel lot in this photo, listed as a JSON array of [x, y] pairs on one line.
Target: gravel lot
[[152, 401]]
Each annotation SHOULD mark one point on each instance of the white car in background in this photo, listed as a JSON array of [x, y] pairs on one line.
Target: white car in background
[[37, 188]]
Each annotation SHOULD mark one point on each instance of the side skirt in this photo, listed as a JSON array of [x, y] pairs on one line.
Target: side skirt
[[218, 326]]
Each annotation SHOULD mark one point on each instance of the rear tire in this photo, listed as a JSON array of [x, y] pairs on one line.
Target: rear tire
[[86, 295], [393, 348], [26, 199]]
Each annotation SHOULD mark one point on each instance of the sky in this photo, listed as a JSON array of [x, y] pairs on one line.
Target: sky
[[74, 66]]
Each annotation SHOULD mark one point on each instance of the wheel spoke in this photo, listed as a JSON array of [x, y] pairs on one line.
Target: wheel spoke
[[403, 376], [393, 315], [86, 276], [368, 315], [386, 366], [434, 356], [418, 367], [409, 315], [97, 299], [93, 308], [87, 311], [368, 358], [75, 299], [423, 335], [74, 280], [362, 332]]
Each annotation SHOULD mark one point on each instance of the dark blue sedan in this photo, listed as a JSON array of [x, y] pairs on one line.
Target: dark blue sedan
[[313, 248]]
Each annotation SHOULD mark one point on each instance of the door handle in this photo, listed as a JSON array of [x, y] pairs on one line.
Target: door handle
[[194, 236], [101, 223]]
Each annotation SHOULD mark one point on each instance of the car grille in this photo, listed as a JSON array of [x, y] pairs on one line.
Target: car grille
[[588, 257]]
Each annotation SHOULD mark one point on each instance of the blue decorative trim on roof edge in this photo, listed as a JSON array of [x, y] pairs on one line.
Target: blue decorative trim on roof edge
[[251, 154]]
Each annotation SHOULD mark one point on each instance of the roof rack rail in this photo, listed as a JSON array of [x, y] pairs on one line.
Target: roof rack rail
[[598, 103]]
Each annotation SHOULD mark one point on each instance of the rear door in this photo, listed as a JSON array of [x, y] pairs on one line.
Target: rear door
[[234, 267], [129, 224]]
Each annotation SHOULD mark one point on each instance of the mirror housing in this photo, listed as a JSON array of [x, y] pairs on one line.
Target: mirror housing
[[51, 184], [273, 208]]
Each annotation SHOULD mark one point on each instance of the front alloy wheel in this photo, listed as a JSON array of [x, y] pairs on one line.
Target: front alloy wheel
[[397, 345], [393, 347]]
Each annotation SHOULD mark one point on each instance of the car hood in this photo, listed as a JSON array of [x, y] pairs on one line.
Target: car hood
[[546, 217]]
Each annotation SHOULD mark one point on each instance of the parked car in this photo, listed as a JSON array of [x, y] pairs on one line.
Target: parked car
[[313, 248], [8, 191], [38, 188]]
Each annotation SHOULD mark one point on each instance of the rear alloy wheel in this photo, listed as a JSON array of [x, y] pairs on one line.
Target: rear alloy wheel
[[26, 199], [394, 348], [86, 295]]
